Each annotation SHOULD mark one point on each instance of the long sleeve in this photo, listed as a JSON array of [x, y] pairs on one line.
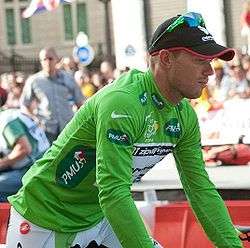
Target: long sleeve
[[205, 201], [117, 127]]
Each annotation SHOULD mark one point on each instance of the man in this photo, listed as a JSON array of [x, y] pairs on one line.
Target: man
[[49, 95], [21, 143], [80, 190], [107, 71]]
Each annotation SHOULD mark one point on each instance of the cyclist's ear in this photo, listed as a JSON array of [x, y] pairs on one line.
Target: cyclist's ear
[[165, 58]]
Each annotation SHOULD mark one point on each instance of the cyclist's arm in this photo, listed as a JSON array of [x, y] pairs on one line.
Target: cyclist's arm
[[201, 193], [114, 170]]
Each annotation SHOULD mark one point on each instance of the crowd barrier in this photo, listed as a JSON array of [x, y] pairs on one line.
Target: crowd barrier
[[4, 218], [176, 226]]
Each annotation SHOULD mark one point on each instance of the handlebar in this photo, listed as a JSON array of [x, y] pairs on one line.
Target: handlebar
[[244, 232]]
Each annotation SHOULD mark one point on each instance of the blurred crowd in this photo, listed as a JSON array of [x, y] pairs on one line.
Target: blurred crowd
[[231, 80], [88, 80], [221, 112]]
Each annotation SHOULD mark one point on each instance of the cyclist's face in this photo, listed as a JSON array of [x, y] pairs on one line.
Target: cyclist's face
[[186, 75]]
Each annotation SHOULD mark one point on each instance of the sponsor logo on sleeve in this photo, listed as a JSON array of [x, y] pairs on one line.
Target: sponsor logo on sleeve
[[75, 166], [173, 128], [24, 227], [118, 137]]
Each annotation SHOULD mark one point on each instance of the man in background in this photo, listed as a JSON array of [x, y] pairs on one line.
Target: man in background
[[49, 95]]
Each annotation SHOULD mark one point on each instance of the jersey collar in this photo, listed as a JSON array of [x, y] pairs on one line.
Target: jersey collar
[[158, 99]]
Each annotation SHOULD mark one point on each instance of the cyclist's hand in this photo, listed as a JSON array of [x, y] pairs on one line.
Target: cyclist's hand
[[156, 244]]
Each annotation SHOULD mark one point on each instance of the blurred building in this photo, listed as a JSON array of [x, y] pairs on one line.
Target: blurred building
[[60, 27]]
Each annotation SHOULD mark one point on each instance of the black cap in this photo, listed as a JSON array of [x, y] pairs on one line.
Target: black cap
[[196, 40]]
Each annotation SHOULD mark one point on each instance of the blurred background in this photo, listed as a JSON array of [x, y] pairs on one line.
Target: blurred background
[[103, 21]]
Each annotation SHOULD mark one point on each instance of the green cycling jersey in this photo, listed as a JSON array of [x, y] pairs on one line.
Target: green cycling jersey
[[113, 140]]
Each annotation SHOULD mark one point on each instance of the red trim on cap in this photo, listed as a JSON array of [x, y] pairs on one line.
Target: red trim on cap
[[209, 57]]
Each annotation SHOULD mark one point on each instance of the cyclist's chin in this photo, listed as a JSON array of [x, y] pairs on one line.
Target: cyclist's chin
[[193, 95]]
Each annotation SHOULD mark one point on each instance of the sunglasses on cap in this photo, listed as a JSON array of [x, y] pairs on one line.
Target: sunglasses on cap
[[191, 19]]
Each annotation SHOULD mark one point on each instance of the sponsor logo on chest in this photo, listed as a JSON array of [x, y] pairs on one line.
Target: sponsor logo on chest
[[152, 127], [173, 128], [143, 98], [152, 150]]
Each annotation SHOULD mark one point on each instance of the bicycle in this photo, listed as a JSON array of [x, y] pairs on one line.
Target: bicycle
[[244, 232]]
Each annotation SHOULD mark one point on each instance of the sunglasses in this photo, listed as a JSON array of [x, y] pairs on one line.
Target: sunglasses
[[191, 19]]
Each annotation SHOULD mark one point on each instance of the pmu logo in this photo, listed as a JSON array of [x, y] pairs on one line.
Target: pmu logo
[[79, 157], [173, 128], [75, 166], [118, 137]]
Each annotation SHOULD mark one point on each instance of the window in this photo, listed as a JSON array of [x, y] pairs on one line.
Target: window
[[10, 25], [25, 28], [68, 26], [82, 18], [75, 19]]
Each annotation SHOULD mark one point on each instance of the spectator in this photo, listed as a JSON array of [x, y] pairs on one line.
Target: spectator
[[97, 80], [21, 142], [16, 84], [218, 85], [5, 79], [107, 71], [245, 23], [83, 80], [246, 66], [202, 105], [54, 92], [239, 86], [68, 64]]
